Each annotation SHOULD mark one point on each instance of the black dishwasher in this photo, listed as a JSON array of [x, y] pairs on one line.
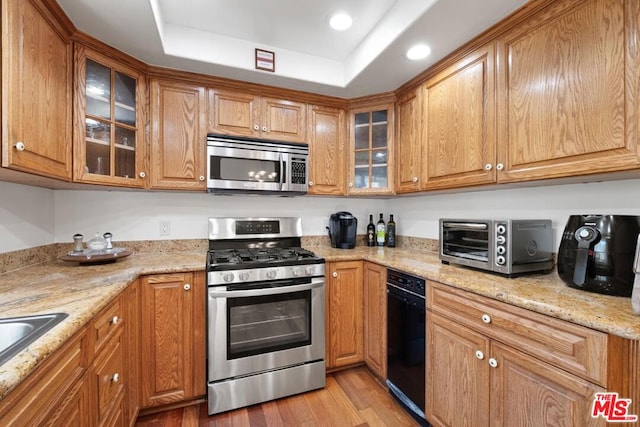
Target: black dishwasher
[[405, 341]]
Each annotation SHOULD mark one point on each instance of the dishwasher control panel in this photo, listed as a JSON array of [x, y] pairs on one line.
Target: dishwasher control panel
[[406, 281]]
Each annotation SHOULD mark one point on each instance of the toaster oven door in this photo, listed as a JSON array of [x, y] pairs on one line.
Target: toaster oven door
[[466, 242]]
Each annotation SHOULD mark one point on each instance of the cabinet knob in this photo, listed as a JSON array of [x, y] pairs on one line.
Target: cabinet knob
[[499, 166], [142, 174], [414, 179], [310, 183], [350, 184], [486, 318], [264, 128], [335, 274], [115, 320], [488, 167], [116, 377], [187, 286], [201, 178], [256, 127], [19, 146], [493, 363], [479, 355]]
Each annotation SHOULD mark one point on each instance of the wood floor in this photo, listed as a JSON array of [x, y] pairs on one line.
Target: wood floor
[[351, 398]]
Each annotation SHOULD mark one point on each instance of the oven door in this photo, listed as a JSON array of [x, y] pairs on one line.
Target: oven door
[[261, 327], [233, 168]]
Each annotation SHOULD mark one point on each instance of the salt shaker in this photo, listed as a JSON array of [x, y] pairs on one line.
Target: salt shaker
[[107, 237], [635, 293], [77, 243]]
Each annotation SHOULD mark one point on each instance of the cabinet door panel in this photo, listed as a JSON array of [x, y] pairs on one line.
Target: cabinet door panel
[[460, 129], [568, 91], [457, 379], [233, 113], [283, 120], [409, 143], [178, 116], [36, 90], [375, 318], [326, 150]]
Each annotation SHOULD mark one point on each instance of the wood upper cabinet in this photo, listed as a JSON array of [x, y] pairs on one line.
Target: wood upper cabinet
[[178, 136], [371, 150], [252, 115], [568, 91], [173, 338], [37, 71], [375, 318], [459, 114], [327, 132], [345, 317], [109, 121], [409, 142]]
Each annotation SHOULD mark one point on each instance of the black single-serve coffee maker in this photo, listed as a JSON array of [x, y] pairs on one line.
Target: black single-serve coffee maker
[[342, 230], [596, 253]]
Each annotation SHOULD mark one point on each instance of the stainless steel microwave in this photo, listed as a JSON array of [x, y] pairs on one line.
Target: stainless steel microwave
[[503, 246], [253, 166]]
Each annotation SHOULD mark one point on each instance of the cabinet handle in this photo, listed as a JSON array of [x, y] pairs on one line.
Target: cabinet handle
[[264, 128], [488, 167], [350, 184], [414, 179], [479, 355], [493, 363], [116, 377], [19, 146], [142, 174], [115, 320], [486, 318], [499, 166], [187, 286], [201, 178], [256, 127], [310, 183], [335, 274]]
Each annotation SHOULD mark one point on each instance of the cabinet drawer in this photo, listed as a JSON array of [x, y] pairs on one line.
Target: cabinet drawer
[[575, 348], [107, 323], [109, 378]]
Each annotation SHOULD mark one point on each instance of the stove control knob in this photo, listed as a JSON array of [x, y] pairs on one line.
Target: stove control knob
[[310, 270], [271, 274], [228, 277], [296, 271], [244, 276]]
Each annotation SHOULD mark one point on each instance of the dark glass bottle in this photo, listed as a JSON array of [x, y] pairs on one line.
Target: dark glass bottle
[[381, 232], [371, 232], [391, 232]]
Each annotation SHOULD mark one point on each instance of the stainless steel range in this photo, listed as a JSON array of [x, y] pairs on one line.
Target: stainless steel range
[[266, 311]]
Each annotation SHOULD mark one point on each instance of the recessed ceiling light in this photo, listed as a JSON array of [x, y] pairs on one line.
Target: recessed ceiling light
[[419, 51], [340, 21]]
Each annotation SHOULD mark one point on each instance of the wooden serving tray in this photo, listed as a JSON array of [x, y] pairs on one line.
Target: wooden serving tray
[[94, 257]]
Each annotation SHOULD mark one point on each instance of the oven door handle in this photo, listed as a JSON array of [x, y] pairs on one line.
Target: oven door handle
[[215, 292], [465, 225]]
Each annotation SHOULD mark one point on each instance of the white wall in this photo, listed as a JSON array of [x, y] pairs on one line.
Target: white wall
[[418, 216], [26, 217], [137, 215]]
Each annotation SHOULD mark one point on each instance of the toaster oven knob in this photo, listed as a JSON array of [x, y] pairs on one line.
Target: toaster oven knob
[[271, 274], [244, 276], [501, 250], [500, 260], [310, 270], [500, 240], [228, 277], [500, 229]]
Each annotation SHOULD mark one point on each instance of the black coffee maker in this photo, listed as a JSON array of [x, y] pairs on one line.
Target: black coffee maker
[[342, 230], [596, 253]]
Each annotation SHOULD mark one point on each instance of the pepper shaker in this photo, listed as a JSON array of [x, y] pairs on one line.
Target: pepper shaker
[[77, 243], [107, 236]]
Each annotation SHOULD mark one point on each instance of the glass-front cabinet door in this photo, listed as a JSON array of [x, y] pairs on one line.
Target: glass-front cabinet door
[[370, 165], [109, 139]]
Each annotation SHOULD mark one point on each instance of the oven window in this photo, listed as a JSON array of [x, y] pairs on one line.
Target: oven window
[[239, 169], [466, 243], [269, 323]]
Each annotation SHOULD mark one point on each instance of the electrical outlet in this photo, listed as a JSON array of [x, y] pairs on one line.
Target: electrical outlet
[[165, 227]]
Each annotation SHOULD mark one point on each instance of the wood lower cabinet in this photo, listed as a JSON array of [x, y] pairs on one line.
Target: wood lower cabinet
[[327, 151], [375, 318], [178, 136], [133, 353], [173, 338], [559, 116], [249, 114], [37, 69], [344, 312], [491, 364]]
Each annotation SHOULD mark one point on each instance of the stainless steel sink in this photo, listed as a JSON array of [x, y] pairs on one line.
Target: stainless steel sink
[[17, 333]]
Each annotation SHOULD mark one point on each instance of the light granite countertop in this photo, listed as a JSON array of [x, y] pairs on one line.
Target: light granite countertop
[[82, 291]]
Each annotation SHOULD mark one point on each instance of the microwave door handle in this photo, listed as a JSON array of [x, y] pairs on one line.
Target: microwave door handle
[[466, 225], [282, 165], [215, 292]]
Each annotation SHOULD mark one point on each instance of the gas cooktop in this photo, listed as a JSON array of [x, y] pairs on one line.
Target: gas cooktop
[[228, 259]]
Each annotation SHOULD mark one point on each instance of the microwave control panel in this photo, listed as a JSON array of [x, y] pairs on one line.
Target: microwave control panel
[[298, 170]]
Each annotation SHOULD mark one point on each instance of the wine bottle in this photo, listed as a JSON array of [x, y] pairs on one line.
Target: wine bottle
[[380, 232], [371, 232], [391, 232]]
